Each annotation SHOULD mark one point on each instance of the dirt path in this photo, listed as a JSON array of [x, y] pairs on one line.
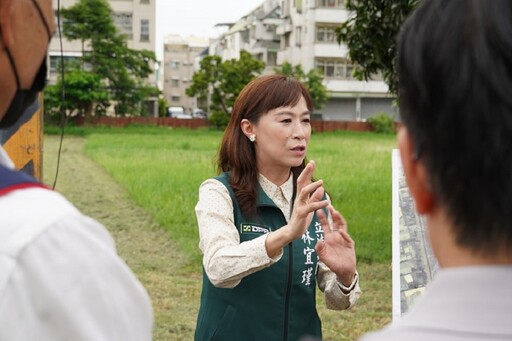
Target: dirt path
[[144, 245]]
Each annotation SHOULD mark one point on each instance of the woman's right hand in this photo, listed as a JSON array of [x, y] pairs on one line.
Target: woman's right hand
[[307, 200]]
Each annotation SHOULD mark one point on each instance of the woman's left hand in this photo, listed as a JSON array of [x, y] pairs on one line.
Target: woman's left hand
[[337, 250]]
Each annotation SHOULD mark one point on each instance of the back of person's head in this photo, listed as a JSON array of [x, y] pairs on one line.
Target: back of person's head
[[26, 27], [455, 95], [237, 153]]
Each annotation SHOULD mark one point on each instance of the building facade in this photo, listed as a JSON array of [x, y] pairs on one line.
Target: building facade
[[302, 32], [180, 60], [136, 19], [256, 32]]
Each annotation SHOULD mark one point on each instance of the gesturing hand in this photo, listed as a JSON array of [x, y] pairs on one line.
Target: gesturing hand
[[308, 200], [337, 250]]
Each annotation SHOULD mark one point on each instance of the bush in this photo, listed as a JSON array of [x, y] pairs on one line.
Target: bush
[[162, 107], [219, 119], [382, 123]]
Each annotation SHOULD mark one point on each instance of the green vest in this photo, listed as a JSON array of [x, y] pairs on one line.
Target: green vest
[[276, 303]]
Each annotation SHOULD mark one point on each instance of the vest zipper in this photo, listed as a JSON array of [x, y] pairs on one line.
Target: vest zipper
[[288, 291]]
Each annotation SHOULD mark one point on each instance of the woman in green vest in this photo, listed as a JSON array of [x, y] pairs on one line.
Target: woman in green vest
[[268, 233]]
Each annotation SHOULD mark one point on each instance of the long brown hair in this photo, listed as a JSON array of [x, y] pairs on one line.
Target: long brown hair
[[237, 154]]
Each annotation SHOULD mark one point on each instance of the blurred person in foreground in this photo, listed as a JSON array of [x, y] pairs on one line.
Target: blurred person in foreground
[[264, 235], [455, 86], [60, 275]]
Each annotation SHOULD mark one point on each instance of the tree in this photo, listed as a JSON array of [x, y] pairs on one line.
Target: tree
[[223, 81], [88, 19], [83, 90], [312, 80], [106, 54], [370, 34]]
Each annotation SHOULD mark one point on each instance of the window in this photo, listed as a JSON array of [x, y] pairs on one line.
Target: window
[[174, 64], [175, 98], [144, 1], [340, 68], [326, 34], [175, 83], [124, 22], [330, 3], [144, 30], [271, 58], [329, 68], [298, 36], [55, 62], [63, 21], [244, 35], [286, 41], [298, 5]]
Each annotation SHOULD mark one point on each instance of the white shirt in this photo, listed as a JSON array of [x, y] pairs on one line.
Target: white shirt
[[226, 260], [60, 275], [460, 304]]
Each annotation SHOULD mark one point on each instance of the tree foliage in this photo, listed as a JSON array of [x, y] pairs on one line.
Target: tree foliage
[[370, 35], [162, 107], [312, 80], [83, 90], [109, 69], [87, 20], [223, 81]]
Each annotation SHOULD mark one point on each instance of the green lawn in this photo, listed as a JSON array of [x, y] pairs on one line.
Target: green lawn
[[162, 168]]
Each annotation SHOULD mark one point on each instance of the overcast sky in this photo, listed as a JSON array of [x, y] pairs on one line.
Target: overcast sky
[[197, 17]]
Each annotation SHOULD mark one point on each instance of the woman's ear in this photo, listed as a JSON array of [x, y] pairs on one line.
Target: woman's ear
[[247, 127], [415, 173]]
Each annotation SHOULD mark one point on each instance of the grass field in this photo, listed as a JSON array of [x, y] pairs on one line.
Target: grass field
[[162, 168]]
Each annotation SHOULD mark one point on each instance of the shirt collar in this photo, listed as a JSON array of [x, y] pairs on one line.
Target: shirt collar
[[272, 190]]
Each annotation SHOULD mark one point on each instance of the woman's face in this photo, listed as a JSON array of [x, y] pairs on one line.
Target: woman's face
[[282, 137]]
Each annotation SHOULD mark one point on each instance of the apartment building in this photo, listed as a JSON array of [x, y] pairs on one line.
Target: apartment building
[[256, 32], [180, 60], [134, 18], [305, 32]]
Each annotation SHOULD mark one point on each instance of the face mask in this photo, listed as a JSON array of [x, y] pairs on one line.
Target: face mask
[[24, 98]]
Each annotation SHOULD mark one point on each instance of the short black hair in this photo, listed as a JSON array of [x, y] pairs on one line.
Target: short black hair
[[455, 96]]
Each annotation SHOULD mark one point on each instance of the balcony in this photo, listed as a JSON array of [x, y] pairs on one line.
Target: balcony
[[282, 30], [356, 87], [329, 15]]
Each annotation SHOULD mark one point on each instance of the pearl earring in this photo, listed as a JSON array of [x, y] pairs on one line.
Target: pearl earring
[[252, 137]]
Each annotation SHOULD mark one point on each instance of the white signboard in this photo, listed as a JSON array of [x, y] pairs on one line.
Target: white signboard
[[414, 264]]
